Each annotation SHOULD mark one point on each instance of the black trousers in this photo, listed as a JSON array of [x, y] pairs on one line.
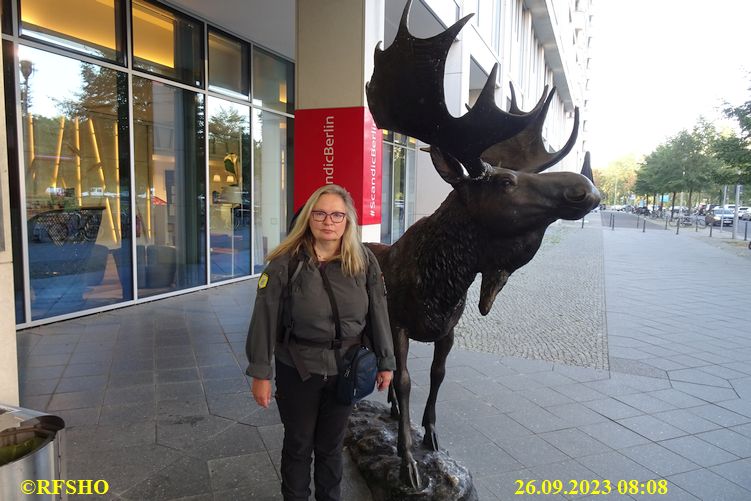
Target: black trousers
[[314, 424]]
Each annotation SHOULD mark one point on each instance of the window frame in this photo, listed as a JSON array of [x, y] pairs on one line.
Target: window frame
[[121, 40]]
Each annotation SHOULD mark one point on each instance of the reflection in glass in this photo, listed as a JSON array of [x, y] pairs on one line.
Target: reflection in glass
[[167, 44], [168, 131], [272, 140], [398, 179], [75, 139], [409, 203], [398, 196], [386, 195], [228, 65], [229, 188], [98, 33], [273, 82]]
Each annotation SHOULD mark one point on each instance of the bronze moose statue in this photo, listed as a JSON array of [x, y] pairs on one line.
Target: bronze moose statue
[[491, 223]]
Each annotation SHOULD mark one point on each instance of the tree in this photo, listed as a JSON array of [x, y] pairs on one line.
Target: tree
[[734, 153], [735, 150], [742, 114], [684, 163], [699, 166], [617, 179]]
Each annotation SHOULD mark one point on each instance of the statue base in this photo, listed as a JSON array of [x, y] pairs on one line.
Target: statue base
[[372, 439]]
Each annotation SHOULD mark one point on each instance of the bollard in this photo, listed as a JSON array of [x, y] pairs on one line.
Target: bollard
[[677, 226], [745, 232], [710, 229], [696, 223], [666, 222], [637, 221], [644, 225], [582, 222]]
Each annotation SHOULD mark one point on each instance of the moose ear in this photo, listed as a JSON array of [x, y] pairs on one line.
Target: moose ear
[[447, 166]]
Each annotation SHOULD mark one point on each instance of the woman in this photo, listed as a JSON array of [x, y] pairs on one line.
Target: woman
[[323, 245]]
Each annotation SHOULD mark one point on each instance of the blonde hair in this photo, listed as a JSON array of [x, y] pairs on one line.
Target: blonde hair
[[301, 238]]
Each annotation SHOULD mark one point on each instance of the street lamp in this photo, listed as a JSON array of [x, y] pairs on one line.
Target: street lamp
[[737, 203], [27, 68]]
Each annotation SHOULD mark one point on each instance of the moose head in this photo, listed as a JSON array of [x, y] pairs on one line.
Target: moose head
[[491, 223]]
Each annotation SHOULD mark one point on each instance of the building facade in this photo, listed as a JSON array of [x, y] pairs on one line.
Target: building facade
[[151, 144]]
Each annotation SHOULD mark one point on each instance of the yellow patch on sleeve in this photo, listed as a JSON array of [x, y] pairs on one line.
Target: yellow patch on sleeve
[[263, 280]]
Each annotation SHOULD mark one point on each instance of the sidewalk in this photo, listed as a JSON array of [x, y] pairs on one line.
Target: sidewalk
[[157, 405]]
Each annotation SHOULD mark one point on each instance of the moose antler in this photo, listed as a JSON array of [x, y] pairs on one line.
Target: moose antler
[[405, 94], [526, 151], [587, 167]]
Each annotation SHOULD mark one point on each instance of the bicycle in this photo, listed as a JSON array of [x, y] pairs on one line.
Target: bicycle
[[682, 221]]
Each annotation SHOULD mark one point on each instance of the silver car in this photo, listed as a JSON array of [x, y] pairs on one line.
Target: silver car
[[718, 216]]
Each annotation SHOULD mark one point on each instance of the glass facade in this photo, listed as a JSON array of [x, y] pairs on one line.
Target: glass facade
[[273, 82], [132, 174], [97, 34], [167, 44], [229, 188], [228, 65], [272, 142], [398, 193], [170, 187], [76, 181]]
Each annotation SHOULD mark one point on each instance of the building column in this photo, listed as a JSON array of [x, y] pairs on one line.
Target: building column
[[336, 140], [8, 348]]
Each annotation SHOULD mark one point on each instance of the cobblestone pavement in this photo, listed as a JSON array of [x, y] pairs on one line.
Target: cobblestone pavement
[[552, 308]]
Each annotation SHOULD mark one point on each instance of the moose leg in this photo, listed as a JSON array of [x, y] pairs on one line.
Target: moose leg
[[394, 402], [408, 472], [437, 373]]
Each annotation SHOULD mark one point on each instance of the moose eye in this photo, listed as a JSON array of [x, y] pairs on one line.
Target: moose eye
[[506, 182]]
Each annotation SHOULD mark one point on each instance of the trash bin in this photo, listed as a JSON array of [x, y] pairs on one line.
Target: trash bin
[[30, 449]]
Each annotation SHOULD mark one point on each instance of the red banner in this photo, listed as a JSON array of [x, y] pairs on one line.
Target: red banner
[[339, 146]]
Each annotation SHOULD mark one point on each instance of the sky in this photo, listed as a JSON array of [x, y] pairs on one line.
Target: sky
[[658, 65]]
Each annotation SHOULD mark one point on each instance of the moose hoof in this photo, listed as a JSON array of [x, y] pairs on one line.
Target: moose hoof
[[430, 440], [394, 412], [410, 475]]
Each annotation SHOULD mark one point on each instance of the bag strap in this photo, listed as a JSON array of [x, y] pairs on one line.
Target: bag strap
[[337, 342]]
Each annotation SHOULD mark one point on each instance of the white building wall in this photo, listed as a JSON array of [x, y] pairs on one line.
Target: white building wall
[[520, 36]]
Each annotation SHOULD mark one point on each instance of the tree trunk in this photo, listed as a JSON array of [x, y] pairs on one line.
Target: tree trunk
[[672, 208], [690, 195]]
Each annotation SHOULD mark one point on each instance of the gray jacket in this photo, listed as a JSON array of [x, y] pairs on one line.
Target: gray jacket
[[313, 318]]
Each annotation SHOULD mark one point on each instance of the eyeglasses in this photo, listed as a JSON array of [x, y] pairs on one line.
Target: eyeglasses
[[320, 216]]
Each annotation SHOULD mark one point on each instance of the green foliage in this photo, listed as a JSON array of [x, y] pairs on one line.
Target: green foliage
[[734, 153], [617, 179], [734, 150], [684, 163]]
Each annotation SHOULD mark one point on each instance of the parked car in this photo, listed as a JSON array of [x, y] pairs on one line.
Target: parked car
[[719, 216], [742, 211]]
